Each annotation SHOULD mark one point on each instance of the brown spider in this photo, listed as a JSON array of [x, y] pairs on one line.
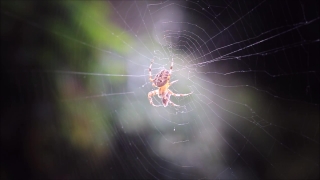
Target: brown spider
[[162, 81]]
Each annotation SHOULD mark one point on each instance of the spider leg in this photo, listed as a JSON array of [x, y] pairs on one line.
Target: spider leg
[[172, 82], [173, 104], [150, 95], [150, 75], [171, 67], [178, 95], [170, 70]]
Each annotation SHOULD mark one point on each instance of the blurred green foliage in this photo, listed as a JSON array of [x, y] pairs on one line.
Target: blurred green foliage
[[51, 37]]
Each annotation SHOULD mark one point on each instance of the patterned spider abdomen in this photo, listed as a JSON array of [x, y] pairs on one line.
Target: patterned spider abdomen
[[161, 78]]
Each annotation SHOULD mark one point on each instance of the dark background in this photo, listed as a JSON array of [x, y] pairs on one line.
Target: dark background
[[32, 147]]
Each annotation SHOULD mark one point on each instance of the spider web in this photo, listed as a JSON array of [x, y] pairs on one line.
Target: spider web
[[77, 103]]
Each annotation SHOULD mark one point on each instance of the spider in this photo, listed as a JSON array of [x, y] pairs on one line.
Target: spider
[[162, 81]]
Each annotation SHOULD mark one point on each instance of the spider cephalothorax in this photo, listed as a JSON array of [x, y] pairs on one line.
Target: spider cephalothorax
[[162, 81]]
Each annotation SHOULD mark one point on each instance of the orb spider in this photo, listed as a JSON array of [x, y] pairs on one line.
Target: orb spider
[[162, 81]]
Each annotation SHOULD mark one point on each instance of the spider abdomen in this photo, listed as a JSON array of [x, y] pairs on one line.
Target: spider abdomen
[[161, 78]]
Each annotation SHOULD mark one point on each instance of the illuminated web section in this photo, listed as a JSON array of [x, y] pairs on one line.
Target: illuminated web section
[[253, 68]]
